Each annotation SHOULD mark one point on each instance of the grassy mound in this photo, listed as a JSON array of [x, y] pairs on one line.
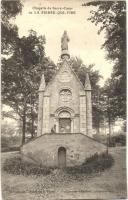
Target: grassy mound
[[17, 166], [95, 163]]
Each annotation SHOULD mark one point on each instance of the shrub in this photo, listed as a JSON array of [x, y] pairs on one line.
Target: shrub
[[121, 139], [9, 149], [17, 166], [95, 163], [10, 141]]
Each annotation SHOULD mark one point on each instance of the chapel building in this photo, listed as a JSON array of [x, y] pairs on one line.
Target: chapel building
[[64, 135], [65, 103]]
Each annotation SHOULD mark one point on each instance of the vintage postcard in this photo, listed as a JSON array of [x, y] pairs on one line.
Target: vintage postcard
[[63, 129]]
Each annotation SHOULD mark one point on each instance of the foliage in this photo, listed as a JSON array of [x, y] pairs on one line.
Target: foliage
[[10, 125], [10, 143], [118, 139], [81, 70], [9, 114], [9, 32], [10, 148], [111, 16], [10, 135], [7, 129], [117, 100], [124, 126], [21, 71], [17, 166], [21, 75], [98, 109], [95, 163]]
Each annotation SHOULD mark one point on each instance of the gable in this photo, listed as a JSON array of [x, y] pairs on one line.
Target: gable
[[65, 76]]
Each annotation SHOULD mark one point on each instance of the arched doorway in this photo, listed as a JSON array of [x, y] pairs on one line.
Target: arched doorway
[[64, 122], [61, 157]]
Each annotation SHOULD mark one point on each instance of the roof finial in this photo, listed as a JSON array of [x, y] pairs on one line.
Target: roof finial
[[87, 84], [42, 83]]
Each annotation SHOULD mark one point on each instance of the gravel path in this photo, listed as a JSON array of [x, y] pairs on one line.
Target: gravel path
[[110, 184]]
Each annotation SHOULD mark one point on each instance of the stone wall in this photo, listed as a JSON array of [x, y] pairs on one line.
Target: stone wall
[[44, 149]]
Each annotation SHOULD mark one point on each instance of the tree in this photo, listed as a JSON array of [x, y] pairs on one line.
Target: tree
[[21, 75], [81, 70], [9, 32], [111, 15]]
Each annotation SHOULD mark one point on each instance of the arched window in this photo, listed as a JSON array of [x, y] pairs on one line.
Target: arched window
[[65, 95]]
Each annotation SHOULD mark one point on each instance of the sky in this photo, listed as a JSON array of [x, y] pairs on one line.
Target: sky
[[84, 40]]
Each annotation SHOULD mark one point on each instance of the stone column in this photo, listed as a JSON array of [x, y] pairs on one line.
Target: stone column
[[88, 113], [88, 106], [83, 114], [46, 115], [57, 125], [72, 125], [40, 106], [40, 113]]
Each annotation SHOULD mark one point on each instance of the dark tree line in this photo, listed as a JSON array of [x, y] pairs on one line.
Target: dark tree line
[[111, 16], [22, 70]]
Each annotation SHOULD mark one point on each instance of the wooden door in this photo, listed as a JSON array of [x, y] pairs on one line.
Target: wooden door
[[65, 125], [61, 157]]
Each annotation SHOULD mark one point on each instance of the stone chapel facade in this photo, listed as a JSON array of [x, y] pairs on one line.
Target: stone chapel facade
[[64, 135], [65, 103]]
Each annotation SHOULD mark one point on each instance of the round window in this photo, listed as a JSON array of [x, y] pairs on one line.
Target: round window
[[65, 95]]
